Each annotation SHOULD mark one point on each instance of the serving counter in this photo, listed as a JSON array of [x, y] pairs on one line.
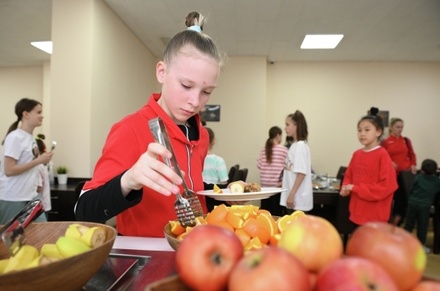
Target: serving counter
[[134, 263]]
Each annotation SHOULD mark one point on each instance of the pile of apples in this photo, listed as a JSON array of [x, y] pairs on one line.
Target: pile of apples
[[308, 256], [77, 239]]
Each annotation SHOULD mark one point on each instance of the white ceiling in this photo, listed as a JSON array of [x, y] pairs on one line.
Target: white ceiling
[[375, 30]]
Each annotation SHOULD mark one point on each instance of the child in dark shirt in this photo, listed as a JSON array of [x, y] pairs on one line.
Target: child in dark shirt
[[423, 192]]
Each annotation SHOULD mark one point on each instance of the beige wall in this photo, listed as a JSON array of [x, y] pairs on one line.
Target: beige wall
[[89, 86], [333, 97], [100, 73], [17, 83]]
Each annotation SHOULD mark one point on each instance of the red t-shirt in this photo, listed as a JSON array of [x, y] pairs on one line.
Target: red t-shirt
[[401, 152], [127, 141], [374, 179]]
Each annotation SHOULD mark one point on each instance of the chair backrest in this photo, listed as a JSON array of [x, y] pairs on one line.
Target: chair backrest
[[341, 172], [243, 174], [233, 173]]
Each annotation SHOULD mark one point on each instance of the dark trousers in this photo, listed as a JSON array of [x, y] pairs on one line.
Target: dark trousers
[[400, 204], [272, 204], [211, 202], [420, 215]]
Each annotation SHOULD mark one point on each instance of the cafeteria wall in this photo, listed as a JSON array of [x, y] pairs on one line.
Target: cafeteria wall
[[333, 96], [100, 72]]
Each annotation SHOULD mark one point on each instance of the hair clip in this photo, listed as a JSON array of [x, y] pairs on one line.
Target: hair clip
[[195, 28]]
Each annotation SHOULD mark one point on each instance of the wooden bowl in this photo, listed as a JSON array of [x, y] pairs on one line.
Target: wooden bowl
[[171, 238], [67, 274]]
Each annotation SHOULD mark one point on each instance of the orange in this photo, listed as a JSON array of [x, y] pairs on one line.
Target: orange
[[240, 212], [182, 235], [273, 241], [223, 224], [268, 222], [234, 219], [244, 208], [217, 214], [255, 229], [217, 189], [297, 213], [243, 236], [264, 211], [200, 220], [176, 227], [253, 244], [284, 222]]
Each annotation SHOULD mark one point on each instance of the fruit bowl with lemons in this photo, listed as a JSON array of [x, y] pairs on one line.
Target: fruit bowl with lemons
[[56, 256], [254, 227]]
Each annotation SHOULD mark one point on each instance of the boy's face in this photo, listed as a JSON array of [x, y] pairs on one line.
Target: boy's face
[[187, 83]]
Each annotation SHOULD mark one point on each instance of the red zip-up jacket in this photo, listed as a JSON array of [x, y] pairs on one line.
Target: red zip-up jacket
[[146, 212], [401, 152]]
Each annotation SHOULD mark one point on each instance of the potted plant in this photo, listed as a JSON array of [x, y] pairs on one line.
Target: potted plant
[[62, 175]]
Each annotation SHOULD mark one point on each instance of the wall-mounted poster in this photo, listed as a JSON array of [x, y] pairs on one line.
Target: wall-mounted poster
[[385, 115], [210, 113]]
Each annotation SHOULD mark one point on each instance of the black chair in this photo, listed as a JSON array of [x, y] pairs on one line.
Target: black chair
[[233, 173], [407, 181], [341, 172], [242, 174]]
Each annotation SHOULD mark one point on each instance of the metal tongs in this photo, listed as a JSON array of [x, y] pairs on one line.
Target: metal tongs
[[187, 205], [13, 232]]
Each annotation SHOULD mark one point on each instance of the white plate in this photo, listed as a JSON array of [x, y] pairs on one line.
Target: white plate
[[265, 192]]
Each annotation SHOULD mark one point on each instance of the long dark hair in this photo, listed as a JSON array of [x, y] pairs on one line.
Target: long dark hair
[[273, 132], [301, 125], [24, 105], [40, 143]]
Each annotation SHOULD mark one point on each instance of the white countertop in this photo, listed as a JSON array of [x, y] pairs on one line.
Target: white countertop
[[142, 243]]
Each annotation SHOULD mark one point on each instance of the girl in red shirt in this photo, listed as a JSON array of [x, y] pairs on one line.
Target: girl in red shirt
[[370, 178]]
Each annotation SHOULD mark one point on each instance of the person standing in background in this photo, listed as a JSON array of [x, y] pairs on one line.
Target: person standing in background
[[271, 164], [297, 174], [403, 157], [424, 190], [288, 142], [214, 171], [370, 178], [20, 161], [43, 185]]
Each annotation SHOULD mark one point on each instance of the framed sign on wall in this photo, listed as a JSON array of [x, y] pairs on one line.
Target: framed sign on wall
[[210, 113]]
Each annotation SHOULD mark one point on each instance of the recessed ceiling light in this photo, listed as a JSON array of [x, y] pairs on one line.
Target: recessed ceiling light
[[321, 41], [43, 45]]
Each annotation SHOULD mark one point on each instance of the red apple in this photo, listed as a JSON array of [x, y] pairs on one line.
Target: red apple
[[313, 240], [269, 268], [206, 257], [395, 249], [354, 273], [427, 286]]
